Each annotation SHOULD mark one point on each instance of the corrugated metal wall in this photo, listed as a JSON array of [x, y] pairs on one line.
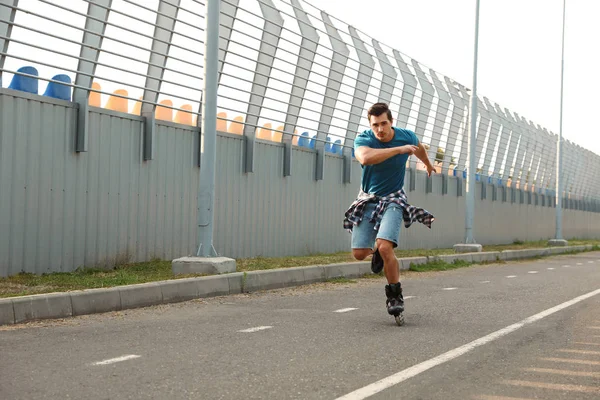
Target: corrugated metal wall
[[265, 214], [60, 210]]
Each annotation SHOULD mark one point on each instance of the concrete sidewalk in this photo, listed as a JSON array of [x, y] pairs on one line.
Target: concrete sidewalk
[[61, 305]]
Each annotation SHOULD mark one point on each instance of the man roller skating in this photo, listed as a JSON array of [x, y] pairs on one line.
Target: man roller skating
[[376, 216]]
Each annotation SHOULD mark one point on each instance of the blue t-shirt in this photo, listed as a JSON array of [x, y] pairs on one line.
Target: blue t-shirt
[[388, 176]]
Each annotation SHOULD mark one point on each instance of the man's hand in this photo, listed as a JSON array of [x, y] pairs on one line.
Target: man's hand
[[430, 170], [421, 154]]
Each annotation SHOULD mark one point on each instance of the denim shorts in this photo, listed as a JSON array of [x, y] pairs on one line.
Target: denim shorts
[[364, 234]]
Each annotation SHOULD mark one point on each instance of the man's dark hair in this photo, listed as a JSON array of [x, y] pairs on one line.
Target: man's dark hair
[[377, 109]]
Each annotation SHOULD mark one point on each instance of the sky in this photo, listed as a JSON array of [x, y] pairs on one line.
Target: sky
[[519, 57]]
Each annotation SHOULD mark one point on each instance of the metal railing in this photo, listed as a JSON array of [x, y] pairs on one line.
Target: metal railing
[[288, 72]]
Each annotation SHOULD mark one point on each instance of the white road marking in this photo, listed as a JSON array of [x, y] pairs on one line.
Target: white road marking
[[116, 360], [532, 272], [579, 263], [564, 372], [408, 297], [551, 269], [511, 276], [588, 343], [486, 397], [258, 328], [571, 361], [566, 266], [587, 352], [449, 288], [484, 282], [590, 262], [343, 310], [554, 386], [415, 370]]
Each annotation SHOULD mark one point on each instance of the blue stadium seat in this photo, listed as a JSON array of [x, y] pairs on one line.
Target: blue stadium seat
[[25, 83], [328, 145], [312, 142], [57, 90], [304, 141], [457, 172], [337, 147]]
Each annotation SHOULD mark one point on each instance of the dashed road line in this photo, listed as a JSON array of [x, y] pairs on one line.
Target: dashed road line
[[554, 386], [258, 328], [117, 359], [570, 361], [573, 351], [563, 372], [486, 397], [345, 310]]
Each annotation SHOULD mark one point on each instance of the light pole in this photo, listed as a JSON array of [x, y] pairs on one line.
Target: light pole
[[469, 244], [207, 260], [558, 237], [206, 196]]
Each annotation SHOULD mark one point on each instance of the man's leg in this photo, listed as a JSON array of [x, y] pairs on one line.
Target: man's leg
[[387, 240], [363, 236], [390, 262], [361, 254]]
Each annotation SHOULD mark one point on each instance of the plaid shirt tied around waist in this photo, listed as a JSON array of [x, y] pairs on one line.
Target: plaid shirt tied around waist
[[355, 214]]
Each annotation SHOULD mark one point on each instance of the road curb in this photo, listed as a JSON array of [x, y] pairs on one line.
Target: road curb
[[83, 302]]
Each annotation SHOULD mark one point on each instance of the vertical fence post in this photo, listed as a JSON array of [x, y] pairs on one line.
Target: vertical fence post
[[7, 17], [206, 195]]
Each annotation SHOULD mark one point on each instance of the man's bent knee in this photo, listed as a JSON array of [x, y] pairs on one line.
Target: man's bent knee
[[361, 254], [385, 247]]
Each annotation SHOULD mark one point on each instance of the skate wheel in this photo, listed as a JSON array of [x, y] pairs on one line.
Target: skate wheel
[[399, 319]]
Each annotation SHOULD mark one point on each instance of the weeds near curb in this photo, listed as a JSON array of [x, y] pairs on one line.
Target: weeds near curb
[[244, 278], [340, 280], [439, 265]]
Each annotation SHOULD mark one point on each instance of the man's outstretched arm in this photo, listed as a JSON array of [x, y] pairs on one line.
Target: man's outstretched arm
[[369, 156]]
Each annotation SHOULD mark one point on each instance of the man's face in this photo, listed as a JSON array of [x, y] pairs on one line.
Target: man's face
[[382, 127]]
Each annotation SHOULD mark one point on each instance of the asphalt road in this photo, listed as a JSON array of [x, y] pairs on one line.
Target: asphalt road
[[524, 330]]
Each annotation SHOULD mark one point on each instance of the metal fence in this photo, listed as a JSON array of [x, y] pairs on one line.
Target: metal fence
[[289, 74]]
